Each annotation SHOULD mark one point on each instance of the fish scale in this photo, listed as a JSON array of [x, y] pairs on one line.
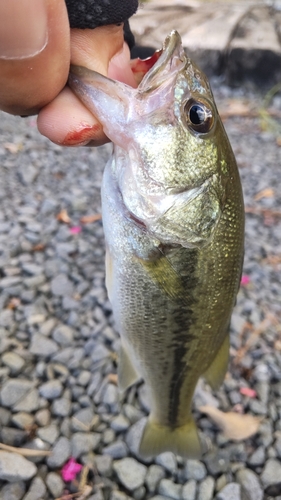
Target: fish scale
[[173, 219]]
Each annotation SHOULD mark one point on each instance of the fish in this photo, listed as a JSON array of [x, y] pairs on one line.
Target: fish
[[173, 217]]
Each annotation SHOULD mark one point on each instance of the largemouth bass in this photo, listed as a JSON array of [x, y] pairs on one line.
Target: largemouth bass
[[173, 219]]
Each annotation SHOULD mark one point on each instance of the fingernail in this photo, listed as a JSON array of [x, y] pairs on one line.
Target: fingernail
[[23, 28]]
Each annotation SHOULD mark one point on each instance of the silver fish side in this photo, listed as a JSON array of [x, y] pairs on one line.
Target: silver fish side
[[173, 219]]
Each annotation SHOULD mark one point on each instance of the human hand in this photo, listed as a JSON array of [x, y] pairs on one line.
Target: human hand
[[36, 48]]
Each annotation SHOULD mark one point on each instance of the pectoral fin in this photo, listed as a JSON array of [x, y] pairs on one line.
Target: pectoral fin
[[217, 370], [127, 375]]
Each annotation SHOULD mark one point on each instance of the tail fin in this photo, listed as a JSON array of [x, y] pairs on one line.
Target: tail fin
[[182, 440]]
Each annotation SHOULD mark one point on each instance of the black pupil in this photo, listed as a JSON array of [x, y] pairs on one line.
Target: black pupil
[[197, 114]]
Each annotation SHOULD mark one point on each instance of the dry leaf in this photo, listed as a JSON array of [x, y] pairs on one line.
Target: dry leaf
[[26, 452], [113, 378], [63, 217], [39, 247], [233, 425], [87, 219], [265, 193], [13, 303], [13, 148]]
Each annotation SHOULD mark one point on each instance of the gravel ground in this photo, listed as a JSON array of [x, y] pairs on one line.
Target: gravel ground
[[58, 344]]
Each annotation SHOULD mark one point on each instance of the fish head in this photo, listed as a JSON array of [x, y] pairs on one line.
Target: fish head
[[172, 156]]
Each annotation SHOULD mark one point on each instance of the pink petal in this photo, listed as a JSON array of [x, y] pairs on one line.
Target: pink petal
[[246, 391], [75, 229], [70, 470], [245, 279]]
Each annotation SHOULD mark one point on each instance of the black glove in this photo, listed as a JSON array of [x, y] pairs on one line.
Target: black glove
[[93, 13]]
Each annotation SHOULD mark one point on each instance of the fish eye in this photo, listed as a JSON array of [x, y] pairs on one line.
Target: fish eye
[[199, 116]]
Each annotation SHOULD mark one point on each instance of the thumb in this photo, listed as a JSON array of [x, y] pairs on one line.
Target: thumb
[[32, 68]]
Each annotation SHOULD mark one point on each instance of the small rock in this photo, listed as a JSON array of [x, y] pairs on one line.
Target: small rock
[[250, 484], [60, 453], [84, 442], [110, 395], [84, 378], [271, 474], [116, 450], [194, 469], [61, 285], [133, 436], [43, 417], [51, 389], [118, 495], [23, 420], [14, 390], [258, 457], [189, 490], [27, 174], [206, 488], [168, 461], [13, 491], [232, 491], [83, 420], [104, 465], [43, 346], [61, 407], [13, 361], [63, 335], [120, 423], [169, 489], [130, 473], [28, 403], [55, 484], [153, 477], [50, 433], [37, 490], [14, 467]]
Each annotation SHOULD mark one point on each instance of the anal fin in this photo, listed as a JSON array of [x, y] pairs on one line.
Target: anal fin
[[127, 374], [217, 370], [183, 441]]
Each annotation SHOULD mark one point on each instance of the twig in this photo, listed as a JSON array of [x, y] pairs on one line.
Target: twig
[[263, 211], [26, 452]]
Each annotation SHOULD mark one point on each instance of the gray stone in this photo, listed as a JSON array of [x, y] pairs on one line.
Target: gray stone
[[84, 442], [28, 403], [110, 395], [194, 469], [61, 285], [6, 318], [14, 390], [84, 378], [120, 423], [169, 489], [139, 493], [13, 491], [12, 436], [130, 473], [14, 467], [104, 465], [134, 434], [83, 420], [61, 407], [153, 477], [50, 433], [51, 389], [43, 346], [37, 490], [189, 490], [116, 450], [47, 327], [258, 457], [271, 473], [27, 174], [60, 453], [23, 420], [118, 495], [43, 417], [206, 489], [250, 484], [232, 491], [168, 461], [63, 335], [55, 484], [13, 361]]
